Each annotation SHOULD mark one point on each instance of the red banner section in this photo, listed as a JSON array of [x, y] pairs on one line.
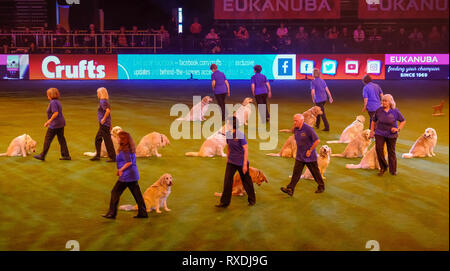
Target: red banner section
[[403, 9], [276, 9], [73, 67], [341, 66]]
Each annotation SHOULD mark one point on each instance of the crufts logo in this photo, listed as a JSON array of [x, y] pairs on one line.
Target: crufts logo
[[74, 71]]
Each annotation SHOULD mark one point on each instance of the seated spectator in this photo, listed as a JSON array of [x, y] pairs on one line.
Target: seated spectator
[[315, 41], [265, 40], [402, 41], [434, 39], [26, 38], [359, 37], [416, 41], [344, 42], [212, 42], [242, 38], [196, 31], [32, 48], [389, 40], [165, 36], [89, 39], [331, 36], [122, 39], [302, 40], [136, 38], [375, 40], [282, 37], [59, 39]]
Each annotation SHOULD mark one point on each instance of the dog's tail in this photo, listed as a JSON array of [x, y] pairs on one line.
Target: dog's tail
[[128, 207], [4, 154], [407, 155], [274, 154], [217, 194], [352, 166], [337, 155], [91, 154], [334, 141], [195, 154]]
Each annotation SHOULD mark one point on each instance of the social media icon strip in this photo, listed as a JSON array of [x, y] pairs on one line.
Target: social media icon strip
[[306, 66], [373, 66], [284, 67], [351, 66], [329, 66]]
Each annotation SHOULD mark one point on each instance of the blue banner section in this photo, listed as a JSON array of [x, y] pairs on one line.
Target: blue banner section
[[197, 66]]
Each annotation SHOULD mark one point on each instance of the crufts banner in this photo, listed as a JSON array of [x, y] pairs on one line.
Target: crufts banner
[[276, 9], [403, 9]]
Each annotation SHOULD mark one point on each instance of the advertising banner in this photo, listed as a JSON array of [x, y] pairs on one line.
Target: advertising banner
[[403, 9], [417, 66], [73, 67], [276, 9], [197, 66], [14, 67]]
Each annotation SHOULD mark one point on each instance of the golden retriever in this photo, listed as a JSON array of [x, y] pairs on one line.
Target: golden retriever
[[310, 117], [357, 147], [198, 111], [351, 131], [424, 145], [369, 160], [21, 146], [288, 150], [323, 161], [155, 196], [103, 153], [149, 145], [256, 175], [244, 111]]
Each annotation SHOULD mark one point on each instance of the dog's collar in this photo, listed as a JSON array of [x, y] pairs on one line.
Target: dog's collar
[[358, 120], [162, 139]]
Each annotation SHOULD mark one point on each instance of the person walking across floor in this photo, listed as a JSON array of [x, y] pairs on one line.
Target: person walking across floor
[[319, 94], [220, 87], [261, 91], [372, 95]]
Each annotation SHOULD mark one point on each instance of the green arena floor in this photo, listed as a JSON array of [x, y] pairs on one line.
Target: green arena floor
[[45, 204]]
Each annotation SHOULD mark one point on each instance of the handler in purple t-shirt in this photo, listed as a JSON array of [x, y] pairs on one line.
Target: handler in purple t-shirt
[[237, 153], [220, 87], [307, 141], [261, 90], [372, 95], [319, 92], [55, 124], [384, 127]]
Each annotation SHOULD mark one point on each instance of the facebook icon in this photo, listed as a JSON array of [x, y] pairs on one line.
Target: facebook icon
[[285, 66]]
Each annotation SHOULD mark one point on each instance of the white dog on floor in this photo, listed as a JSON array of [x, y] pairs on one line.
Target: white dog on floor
[[213, 145], [369, 161], [424, 145], [357, 147], [323, 161], [149, 145], [198, 111], [21, 146], [351, 131]]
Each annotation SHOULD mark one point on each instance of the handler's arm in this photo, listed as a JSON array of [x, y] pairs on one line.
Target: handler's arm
[[365, 104], [213, 85], [107, 112]]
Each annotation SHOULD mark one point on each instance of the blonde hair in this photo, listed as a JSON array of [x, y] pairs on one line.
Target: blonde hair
[[103, 93], [53, 93], [390, 99]]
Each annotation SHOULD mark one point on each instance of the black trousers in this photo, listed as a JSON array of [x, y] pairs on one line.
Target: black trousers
[[371, 115], [323, 116], [117, 191], [262, 99], [59, 132], [298, 169], [228, 184], [379, 147], [220, 99], [105, 134]]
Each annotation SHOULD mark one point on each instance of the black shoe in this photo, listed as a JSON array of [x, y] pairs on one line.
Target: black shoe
[[320, 189], [326, 130], [95, 158], [65, 158], [381, 172], [251, 203], [111, 161], [109, 216], [221, 205], [287, 191], [140, 216], [39, 157]]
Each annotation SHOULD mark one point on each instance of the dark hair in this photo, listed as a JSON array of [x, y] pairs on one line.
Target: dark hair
[[126, 143], [257, 68], [367, 79], [213, 67]]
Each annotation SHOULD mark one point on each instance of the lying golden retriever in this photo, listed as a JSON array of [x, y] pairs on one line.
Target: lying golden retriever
[[369, 160], [149, 145], [323, 160], [155, 196], [288, 150], [357, 147], [103, 153], [21, 146], [310, 117], [198, 111], [424, 145], [256, 175], [351, 131]]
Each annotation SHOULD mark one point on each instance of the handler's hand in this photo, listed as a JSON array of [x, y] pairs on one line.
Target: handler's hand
[[244, 169], [228, 94], [308, 153], [102, 121], [119, 173], [331, 100], [47, 123], [364, 109], [372, 134], [394, 130], [270, 95]]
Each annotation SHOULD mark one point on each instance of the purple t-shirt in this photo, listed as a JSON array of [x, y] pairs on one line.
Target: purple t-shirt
[[235, 147], [372, 92], [220, 78], [59, 121], [387, 120], [131, 173], [305, 138], [102, 106], [259, 80], [319, 86]]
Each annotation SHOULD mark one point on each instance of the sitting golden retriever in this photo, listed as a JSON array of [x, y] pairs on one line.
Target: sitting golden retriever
[[21, 146], [244, 111], [288, 150], [213, 145], [323, 160], [155, 196], [357, 147], [351, 131], [149, 145], [103, 153], [310, 117], [424, 145], [238, 189], [198, 111], [369, 160]]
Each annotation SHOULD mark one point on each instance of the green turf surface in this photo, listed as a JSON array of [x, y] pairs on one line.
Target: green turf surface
[[45, 204]]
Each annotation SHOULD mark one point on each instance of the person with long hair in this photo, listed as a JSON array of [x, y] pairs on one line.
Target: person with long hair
[[128, 177], [319, 94], [384, 128], [104, 119], [261, 90], [55, 124]]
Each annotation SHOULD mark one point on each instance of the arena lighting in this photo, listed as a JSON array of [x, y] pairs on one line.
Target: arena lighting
[[180, 20]]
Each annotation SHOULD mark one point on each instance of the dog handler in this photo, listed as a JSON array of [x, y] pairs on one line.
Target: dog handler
[[220, 87], [55, 124], [237, 153], [261, 90], [128, 177], [307, 141], [104, 119], [372, 95], [319, 92]]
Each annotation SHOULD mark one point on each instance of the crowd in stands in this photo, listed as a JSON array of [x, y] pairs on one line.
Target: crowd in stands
[[234, 39]]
